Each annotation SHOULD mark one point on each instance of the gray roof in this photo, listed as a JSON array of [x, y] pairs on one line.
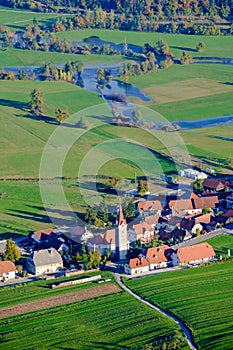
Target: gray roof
[[46, 257], [2, 246]]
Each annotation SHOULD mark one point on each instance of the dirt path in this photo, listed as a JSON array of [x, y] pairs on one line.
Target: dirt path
[[186, 331], [31, 306]]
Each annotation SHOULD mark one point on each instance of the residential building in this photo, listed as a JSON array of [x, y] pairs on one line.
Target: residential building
[[158, 257], [142, 231], [44, 261], [149, 207], [136, 265], [214, 185], [7, 270], [193, 174], [195, 254], [103, 241]]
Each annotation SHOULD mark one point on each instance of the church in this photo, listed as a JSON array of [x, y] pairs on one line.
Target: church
[[115, 239]]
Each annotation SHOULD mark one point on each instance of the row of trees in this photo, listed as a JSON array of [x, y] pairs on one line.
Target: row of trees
[[159, 9]]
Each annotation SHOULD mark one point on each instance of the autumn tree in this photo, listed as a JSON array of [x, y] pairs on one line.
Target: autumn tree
[[62, 114], [200, 46], [143, 187], [12, 252], [37, 102]]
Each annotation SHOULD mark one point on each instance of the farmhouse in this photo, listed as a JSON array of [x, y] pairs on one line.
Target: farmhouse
[[44, 261], [193, 205], [195, 254], [195, 222], [7, 270], [158, 257], [136, 265], [193, 174]]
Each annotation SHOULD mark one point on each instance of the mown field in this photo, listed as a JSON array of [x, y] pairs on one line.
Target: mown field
[[201, 297], [111, 322]]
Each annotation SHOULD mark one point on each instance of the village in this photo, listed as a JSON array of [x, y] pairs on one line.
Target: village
[[159, 237]]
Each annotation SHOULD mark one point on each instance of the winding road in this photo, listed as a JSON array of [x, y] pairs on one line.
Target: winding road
[[161, 311]]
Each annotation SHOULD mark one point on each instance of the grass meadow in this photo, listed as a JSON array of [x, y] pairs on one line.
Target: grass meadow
[[221, 244], [114, 321], [201, 297], [215, 45]]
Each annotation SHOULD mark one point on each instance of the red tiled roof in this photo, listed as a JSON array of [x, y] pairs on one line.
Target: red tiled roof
[[108, 237], [157, 254], [152, 219], [229, 213], [195, 252], [6, 266], [213, 184], [149, 206], [141, 228], [205, 202], [138, 262], [120, 217], [180, 204], [46, 232]]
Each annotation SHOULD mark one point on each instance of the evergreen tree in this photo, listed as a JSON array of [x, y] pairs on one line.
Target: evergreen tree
[[37, 102]]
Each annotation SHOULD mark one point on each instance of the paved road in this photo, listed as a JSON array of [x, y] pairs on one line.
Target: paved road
[[202, 238], [173, 318]]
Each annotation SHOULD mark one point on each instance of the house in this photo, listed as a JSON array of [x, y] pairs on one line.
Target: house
[[142, 231], [193, 205], [214, 185], [177, 235], [76, 235], [44, 261], [158, 257], [136, 265], [7, 270], [149, 207], [229, 201], [226, 218], [192, 174], [195, 222], [195, 254], [152, 220], [49, 239]]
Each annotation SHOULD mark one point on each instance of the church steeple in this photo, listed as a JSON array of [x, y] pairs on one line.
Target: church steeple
[[120, 217]]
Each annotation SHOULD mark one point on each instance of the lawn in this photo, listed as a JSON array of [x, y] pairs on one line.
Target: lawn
[[114, 321], [215, 45], [201, 297]]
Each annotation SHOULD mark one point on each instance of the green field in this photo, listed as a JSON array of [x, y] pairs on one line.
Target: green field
[[221, 244], [18, 57], [114, 321], [215, 45], [17, 20], [201, 297]]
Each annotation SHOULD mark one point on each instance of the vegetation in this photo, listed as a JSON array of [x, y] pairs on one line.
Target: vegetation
[[12, 252], [201, 297], [119, 321], [221, 244]]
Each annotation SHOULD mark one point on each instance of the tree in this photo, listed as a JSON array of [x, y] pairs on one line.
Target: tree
[[142, 187], [198, 232], [197, 186], [94, 259], [200, 46], [136, 117], [12, 252], [37, 101], [90, 215], [129, 210], [185, 58], [62, 114]]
